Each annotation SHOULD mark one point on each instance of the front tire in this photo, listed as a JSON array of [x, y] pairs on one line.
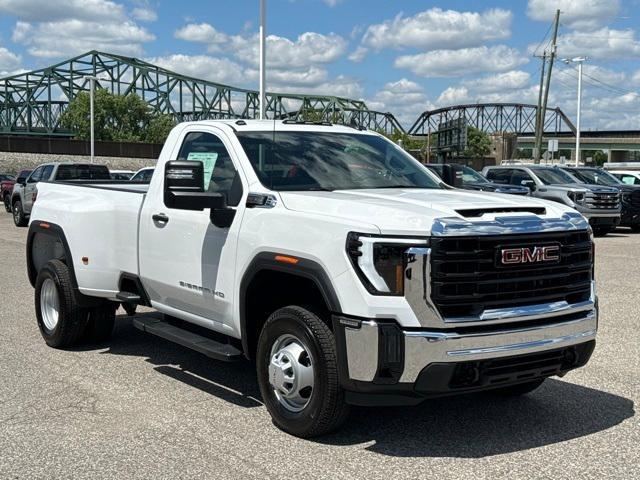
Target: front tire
[[60, 320], [602, 231], [19, 218], [298, 373]]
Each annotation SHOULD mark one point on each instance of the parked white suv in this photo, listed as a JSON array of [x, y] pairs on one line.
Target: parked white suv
[[330, 257]]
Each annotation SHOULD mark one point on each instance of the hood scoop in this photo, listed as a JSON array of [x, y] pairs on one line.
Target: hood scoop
[[478, 212]]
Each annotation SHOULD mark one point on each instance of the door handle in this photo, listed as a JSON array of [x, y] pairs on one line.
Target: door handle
[[160, 217]]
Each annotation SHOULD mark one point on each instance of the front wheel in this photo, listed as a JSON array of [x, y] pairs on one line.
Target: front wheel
[[602, 231], [298, 373], [19, 218]]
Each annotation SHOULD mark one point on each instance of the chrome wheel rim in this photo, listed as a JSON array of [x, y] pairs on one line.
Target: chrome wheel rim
[[16, 213], [291, 372], [49, 304]]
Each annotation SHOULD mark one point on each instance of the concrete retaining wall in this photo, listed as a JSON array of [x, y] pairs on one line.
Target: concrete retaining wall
[[11, 162]]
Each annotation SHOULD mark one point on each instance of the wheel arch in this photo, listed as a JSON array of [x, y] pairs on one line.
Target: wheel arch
[[47, 241], [306, 275]]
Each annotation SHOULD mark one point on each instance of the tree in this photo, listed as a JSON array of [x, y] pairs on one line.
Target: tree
[[125, 118], [158, 128], [478, 143]]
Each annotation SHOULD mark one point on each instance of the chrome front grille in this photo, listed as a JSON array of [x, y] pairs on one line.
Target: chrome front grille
[[603, 201]]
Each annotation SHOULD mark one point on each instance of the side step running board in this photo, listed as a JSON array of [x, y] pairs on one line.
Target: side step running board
[[128, 297], [207, 346]]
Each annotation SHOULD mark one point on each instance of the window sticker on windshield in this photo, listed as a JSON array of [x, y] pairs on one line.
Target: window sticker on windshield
[[208, 160]]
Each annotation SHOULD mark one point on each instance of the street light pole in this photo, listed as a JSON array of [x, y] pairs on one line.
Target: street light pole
[[579, 61], [92, 82], [263, 21], [578, 112], [92, 87]]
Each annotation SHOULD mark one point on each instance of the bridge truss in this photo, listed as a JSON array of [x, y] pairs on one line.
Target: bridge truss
[[517, 118], [32, 103]]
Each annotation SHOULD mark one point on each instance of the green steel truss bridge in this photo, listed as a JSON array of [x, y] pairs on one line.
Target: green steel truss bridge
[[32, 103]]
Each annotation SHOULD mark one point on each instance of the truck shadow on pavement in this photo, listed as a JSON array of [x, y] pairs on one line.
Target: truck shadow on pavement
[[470, 426]]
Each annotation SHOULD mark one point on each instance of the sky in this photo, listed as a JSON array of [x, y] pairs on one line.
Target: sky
[[404, 56]]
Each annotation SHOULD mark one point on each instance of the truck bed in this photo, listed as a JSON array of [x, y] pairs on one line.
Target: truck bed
[[100, 223]]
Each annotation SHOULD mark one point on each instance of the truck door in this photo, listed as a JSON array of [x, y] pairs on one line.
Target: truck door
[[187, 264]]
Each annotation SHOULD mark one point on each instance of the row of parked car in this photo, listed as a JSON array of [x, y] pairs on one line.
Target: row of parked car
[[607, 199], [20, 192]]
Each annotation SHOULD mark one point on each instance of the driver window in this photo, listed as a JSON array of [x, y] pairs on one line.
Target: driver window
[[35, 176], [519, 176], [220, 175]]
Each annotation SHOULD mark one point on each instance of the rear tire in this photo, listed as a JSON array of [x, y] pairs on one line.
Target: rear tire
[[296, 345], [7, 203], [60, 320], [100, 322], [519, 389], [19, 218]]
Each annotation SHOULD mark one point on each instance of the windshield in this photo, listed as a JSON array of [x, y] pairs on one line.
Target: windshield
[[553, 176], [596, 177], [304, 161], [469, 175]]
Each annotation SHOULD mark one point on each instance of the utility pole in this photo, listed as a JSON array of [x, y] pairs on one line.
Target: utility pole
[[543, 111], [536, 148], [263, 26]]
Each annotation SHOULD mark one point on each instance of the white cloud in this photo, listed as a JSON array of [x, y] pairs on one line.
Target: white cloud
[[219, 70], [404, 98], [635, 79], [9, 62], [604, 43], [438, 29], [465, 61], [358, 54], [454, 96], [578, 14], [309, 48], [57, 29], [144, 14], [72, 37], [201, 33], [511, 80], [332, 3], [340, 86], [50, 11]]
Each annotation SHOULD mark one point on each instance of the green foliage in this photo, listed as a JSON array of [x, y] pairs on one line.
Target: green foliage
[[124, 118], [408, 142], [158, 128], [478, 143]]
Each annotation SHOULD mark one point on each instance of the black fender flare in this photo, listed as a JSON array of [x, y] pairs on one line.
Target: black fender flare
[[40, 227], [305, 268]]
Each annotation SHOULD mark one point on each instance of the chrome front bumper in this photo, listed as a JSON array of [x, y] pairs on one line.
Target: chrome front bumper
[[424, 347]]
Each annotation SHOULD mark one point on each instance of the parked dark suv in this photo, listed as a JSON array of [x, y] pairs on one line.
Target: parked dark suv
[[462, 176], [630, 193]]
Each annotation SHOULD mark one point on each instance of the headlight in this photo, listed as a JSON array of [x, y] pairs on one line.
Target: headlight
[[576, 197], [380, 261]]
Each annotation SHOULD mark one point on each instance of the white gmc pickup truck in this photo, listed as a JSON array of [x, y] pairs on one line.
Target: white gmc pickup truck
[[336, 262]]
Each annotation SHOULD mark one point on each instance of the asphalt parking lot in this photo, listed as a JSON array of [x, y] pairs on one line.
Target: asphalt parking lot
[[141, 407]]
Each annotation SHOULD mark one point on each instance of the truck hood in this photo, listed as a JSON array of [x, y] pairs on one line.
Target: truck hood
[[412, 211]]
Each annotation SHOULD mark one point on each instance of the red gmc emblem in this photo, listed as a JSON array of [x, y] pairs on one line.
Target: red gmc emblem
[[513, 256]]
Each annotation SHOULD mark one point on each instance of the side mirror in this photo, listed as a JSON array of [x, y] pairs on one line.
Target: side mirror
[[530, 184], [184, 187]]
